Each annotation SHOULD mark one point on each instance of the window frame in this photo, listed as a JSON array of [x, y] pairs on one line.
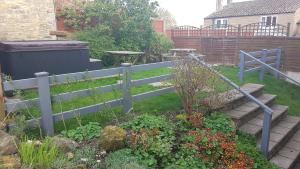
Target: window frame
[[264, 20], [222, 21]]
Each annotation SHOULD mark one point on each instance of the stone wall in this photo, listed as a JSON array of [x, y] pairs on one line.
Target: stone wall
[[27, 19]]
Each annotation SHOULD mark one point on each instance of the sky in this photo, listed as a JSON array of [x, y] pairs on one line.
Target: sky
[[190, 12]]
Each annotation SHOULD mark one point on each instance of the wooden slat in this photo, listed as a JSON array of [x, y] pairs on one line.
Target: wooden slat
[[11, 107], [81, 76], [20, 84], [151, 80], [153, 93], [145, 67]]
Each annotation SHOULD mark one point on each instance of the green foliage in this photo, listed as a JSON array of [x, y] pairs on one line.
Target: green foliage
[[159, 45], [112, 138], [100, 40], [38, 155], [149, 122], [21, 126], [87, 157], [152, 139], [185, 159], [123, 159], [87, 132], [122, 25], [220, 123], [247, 144]]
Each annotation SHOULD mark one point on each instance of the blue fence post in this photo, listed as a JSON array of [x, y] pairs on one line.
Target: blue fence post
[[127, 97], [242, 66], [45, 103], [263, 68], [266, 133], [278, 61]]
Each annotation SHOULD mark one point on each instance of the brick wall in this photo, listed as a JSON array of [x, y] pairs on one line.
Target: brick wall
[[226, 50], [27, 19], [159, 26]]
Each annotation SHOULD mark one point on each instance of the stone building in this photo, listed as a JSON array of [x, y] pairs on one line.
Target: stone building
[[27, 19]]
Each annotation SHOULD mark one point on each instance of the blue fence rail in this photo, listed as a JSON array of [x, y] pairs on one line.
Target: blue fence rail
[[44, 102], [265, 60], [252, 61]]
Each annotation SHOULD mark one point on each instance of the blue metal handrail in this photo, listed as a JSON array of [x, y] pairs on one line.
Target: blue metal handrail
[[270, 67], [268, 112]]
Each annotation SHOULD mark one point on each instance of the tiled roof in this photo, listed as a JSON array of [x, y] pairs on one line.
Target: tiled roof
[[256, 7]]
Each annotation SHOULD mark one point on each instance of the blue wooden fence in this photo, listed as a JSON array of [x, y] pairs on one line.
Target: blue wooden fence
[[248, 64], [43, 82]]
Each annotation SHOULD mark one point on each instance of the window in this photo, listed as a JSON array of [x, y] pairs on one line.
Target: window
[[269, 20], [221, 23]]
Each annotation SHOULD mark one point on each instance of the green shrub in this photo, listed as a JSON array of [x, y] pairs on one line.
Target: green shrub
[[21, 126], [123, 159], [112, 138], [87, 132], [159, 45], [38, 155], [190, 162], [100, 39], [220, 123], [152, 139], [148, 122]]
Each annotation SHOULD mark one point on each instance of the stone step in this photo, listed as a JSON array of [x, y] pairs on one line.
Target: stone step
[[281, 134], [254, 126], [287, 157], [241, 114], [234, 98]]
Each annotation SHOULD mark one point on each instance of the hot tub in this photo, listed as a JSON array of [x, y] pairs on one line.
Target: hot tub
[[21, 59]]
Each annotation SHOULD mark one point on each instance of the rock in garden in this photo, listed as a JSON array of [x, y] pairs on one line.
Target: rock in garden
[[112, 138], [10, 162], [8, 144], [64, 144]]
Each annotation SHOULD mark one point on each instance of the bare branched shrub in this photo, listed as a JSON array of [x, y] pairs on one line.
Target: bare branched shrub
[[198, 86]]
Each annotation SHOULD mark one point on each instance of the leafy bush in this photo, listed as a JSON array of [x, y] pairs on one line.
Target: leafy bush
[[100, 40], [21, 126], [38, 155], [185, 159], [216, 149], [124, 25], [112, 138], [159, 45], [220, 123], [152, 139], [123, 159], [87, 132], [149, 122]]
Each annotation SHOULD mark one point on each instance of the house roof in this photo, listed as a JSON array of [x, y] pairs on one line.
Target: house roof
[[256, 7]]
